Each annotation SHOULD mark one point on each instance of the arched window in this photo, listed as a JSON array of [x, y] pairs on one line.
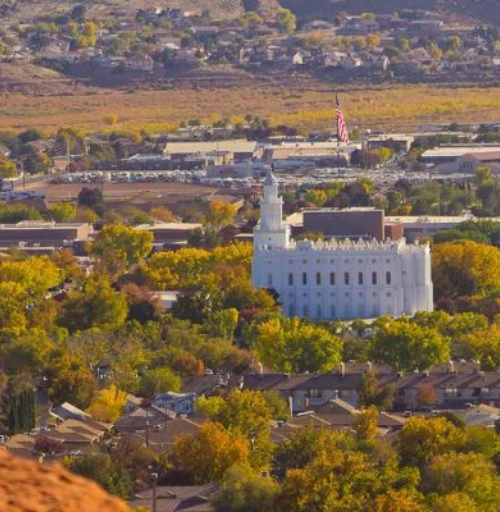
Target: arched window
[[360, 278], [346, 278], [304, 278], [332, 278], [388, 278], [270, 280], [290, 279], [374, 278], [318, 278]]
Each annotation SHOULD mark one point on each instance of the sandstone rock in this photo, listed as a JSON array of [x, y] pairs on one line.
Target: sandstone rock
[[28, 486]]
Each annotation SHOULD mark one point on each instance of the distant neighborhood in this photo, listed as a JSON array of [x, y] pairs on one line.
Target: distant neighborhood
[[407, 45]]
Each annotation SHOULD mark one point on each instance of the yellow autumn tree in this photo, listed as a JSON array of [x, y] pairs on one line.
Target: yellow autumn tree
[[465, 269], [36, 275], [220, 214], [108, 404], [208, 454]]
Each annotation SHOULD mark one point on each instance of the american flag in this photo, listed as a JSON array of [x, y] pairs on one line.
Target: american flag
[[342, 133]]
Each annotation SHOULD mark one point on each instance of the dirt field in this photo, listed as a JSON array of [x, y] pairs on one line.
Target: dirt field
[[135, 193]]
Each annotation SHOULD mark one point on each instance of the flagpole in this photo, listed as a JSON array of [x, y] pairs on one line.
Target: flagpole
[[338, 131]]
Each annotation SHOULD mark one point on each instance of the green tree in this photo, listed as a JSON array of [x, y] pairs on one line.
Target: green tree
[[370, 395], [69, 380], [100, 468], [470, 474], [423, 439], [7, 167], [21, 409], [159, 380], [63, 212], [97, 305], [279, 406], [286, 21], [92, 198], [37, 163], [222, 324], [117, 247], [366, 426], [406, 346], [243, 490], [244, 411], [289, 345]]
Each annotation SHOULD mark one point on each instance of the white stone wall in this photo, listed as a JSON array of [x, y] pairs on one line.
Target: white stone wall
[[326, 281], [360, 280]]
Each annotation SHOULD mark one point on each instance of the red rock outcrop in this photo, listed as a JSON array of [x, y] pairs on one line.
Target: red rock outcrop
[[28, 486]]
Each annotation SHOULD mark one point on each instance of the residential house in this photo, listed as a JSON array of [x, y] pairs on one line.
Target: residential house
[[141, 419], [67, 411], [175, 499], [482, 414], [451, 386], [350, 62], [377, 63], [180, 403], [162, 436], [133, 403], [77, 434]]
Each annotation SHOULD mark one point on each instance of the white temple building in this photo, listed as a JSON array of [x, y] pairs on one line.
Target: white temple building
[[343, 279]]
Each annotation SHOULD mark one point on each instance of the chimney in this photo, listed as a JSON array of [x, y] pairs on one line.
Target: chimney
[[260, 368], [342, 369], [369, 366], [290, 405]]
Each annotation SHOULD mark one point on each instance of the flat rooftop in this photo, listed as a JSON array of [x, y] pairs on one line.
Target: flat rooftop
[[28, 224], [457, 151], [171, 226], [187, 148]]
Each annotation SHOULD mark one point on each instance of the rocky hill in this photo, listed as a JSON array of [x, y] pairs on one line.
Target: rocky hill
[[480, 10], [27, 486], [20, 10], [486, 11]]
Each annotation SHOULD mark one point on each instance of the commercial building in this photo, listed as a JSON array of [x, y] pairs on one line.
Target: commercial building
[[36, 234], [448, 154], [182, 155], [355, 223], [170, 234]]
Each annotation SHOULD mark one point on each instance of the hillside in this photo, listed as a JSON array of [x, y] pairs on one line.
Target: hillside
[[481, 10], [20, 10]]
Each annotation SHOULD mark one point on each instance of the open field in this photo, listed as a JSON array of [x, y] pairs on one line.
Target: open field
[[134, 192], [304, 104]]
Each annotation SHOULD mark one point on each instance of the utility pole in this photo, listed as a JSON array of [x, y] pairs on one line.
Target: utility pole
[[154, 477]]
